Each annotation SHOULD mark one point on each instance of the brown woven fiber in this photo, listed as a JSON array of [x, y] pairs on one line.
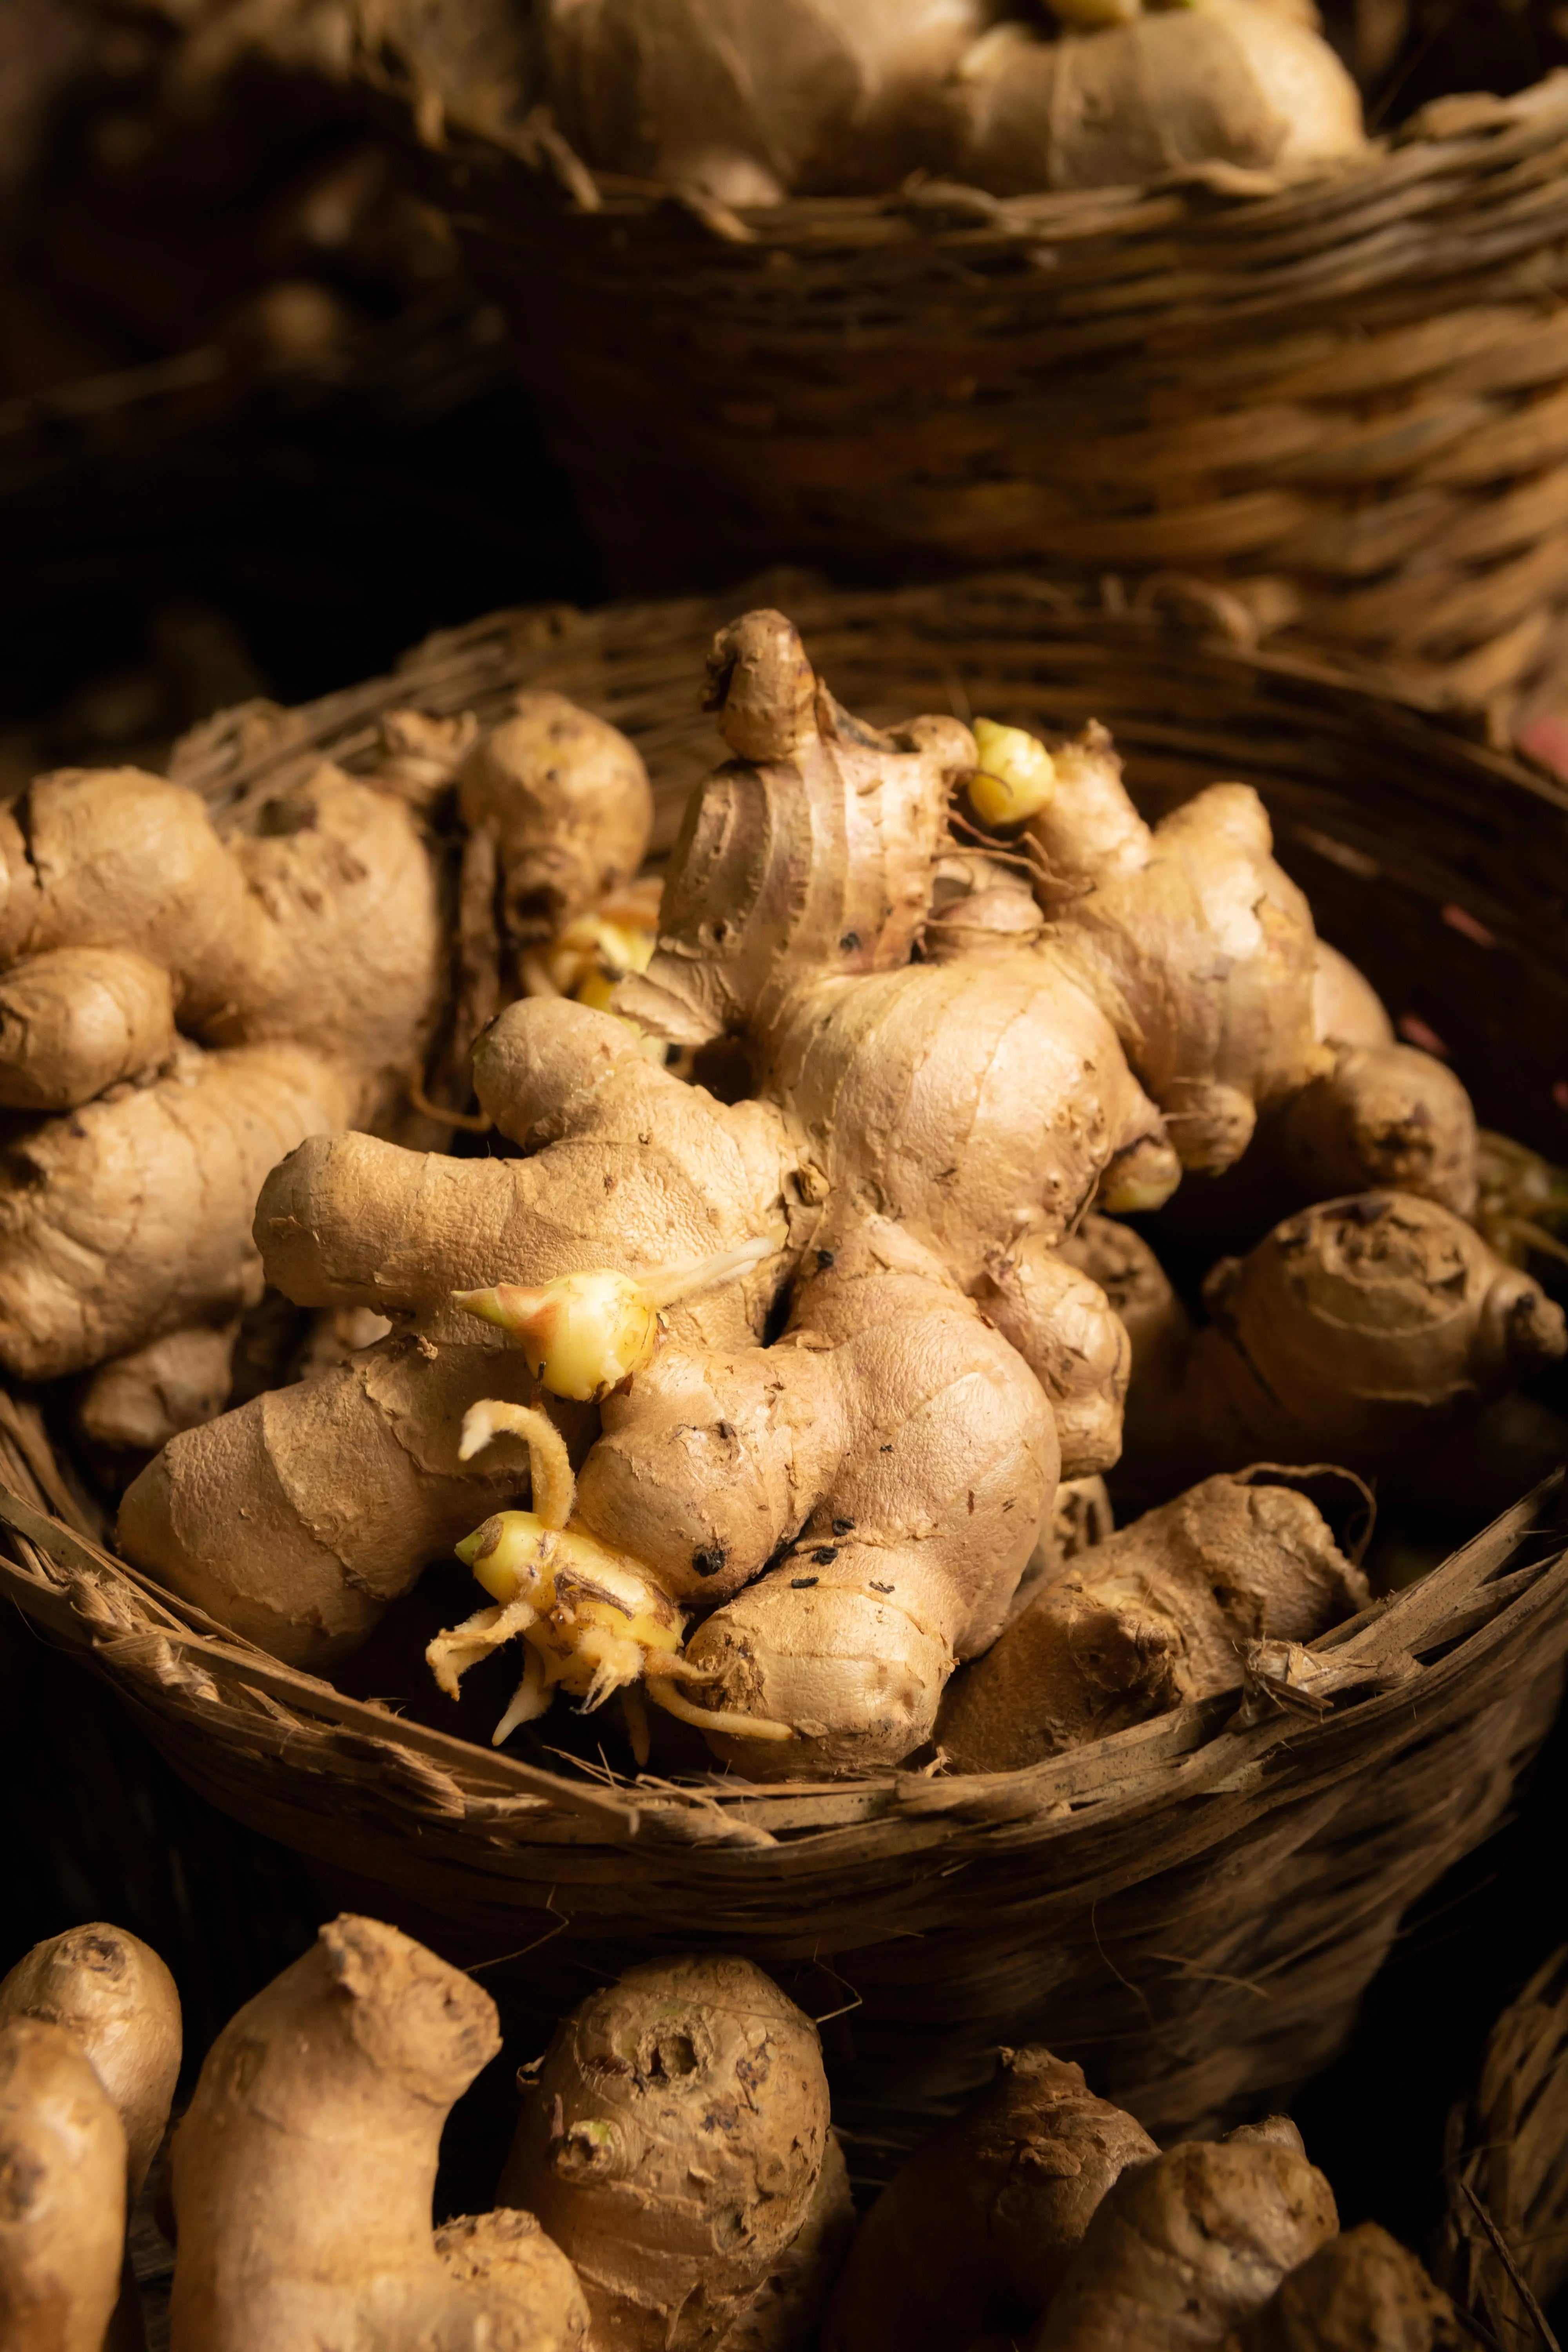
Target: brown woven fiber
[[1345, 397], [1191, 1908], [1508, 2168]]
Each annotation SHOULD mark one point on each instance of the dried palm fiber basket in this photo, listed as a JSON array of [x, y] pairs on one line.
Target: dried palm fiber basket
[[1343, 398], [1505, 2232], [1191, 1908]]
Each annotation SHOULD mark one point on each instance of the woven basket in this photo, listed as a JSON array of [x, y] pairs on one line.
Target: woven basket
[[1508, 2168], [1345, 399], [1191, 1908]]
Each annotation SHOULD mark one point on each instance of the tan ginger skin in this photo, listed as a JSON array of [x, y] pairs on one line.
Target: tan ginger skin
[[196, 1002], [304, 2168], [971, 2237], [1351, 1333], [62, 2218], [1185, 2247], [674, 2144], [1158, 1614], [875, 1479]]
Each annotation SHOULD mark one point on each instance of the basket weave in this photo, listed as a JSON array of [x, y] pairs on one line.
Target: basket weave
[[1191, 1908], [1508, 2153], [1346, 398]]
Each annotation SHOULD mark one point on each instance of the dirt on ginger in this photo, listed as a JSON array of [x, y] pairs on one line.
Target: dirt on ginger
[[674, 2143]]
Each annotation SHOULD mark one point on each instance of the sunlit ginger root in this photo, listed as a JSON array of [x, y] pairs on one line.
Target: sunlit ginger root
[[674, 2142], [200, 994], [304, 2168], [1156, 1615], [973, 2235], [352, 1222]]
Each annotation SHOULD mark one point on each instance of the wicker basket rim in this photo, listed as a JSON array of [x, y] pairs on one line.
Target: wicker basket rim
[[1395, 1660], [1447, 141]]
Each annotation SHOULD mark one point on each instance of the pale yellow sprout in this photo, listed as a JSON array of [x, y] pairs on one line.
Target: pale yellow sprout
[[584, 1333], [591, 1619], [1016, 775], [589, 959]]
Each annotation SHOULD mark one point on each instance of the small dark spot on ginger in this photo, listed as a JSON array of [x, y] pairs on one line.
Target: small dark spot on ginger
[[709, 1561], [843, 1527], [849, 942], [802, 1583], [823, 1260], [825, 1555]]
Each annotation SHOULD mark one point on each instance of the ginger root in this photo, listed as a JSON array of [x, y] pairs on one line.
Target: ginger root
[[745, 104], [1351, 1333], [1183, 2249], [855, 1501], [116, 2000], [304, 2168], [673, 2143], [198, 1002], [972, 2236], [1156, 1615], [62, 2218], [113, 1994], [1233, 81], [1360, 2293]]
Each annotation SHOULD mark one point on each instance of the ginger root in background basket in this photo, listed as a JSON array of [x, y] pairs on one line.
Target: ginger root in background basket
[[109, 1998], [749, 104], [304, 2168], [861, 1496], [674, 2143], [196, 1003], [1158, 1614]]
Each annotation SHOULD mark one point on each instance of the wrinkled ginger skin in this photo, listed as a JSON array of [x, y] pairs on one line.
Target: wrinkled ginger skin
[[671, 2145], [115, 1997], [1185, 2247], [1360, 2293], [1385, 1117], [131, 1217], [349, 1222], [564, 801], [1226, 81], [786, 2311], [62, 2220], [1195, 943], [302, 964], [137, 1402], [1156, 1615], [1351, 1332], [745, 104], [304, 2168], [972, 2236]]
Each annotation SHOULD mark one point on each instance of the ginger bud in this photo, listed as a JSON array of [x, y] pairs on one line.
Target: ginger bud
[[584, 1333], [1016, 776]]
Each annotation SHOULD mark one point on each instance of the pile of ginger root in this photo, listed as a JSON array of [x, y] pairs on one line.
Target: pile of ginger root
[[740, 105], [673, 2184], [807, 1374], [184, 997]]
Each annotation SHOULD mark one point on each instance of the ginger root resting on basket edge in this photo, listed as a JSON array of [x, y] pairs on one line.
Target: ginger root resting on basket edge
[[854, 1502], [180, 1005]]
